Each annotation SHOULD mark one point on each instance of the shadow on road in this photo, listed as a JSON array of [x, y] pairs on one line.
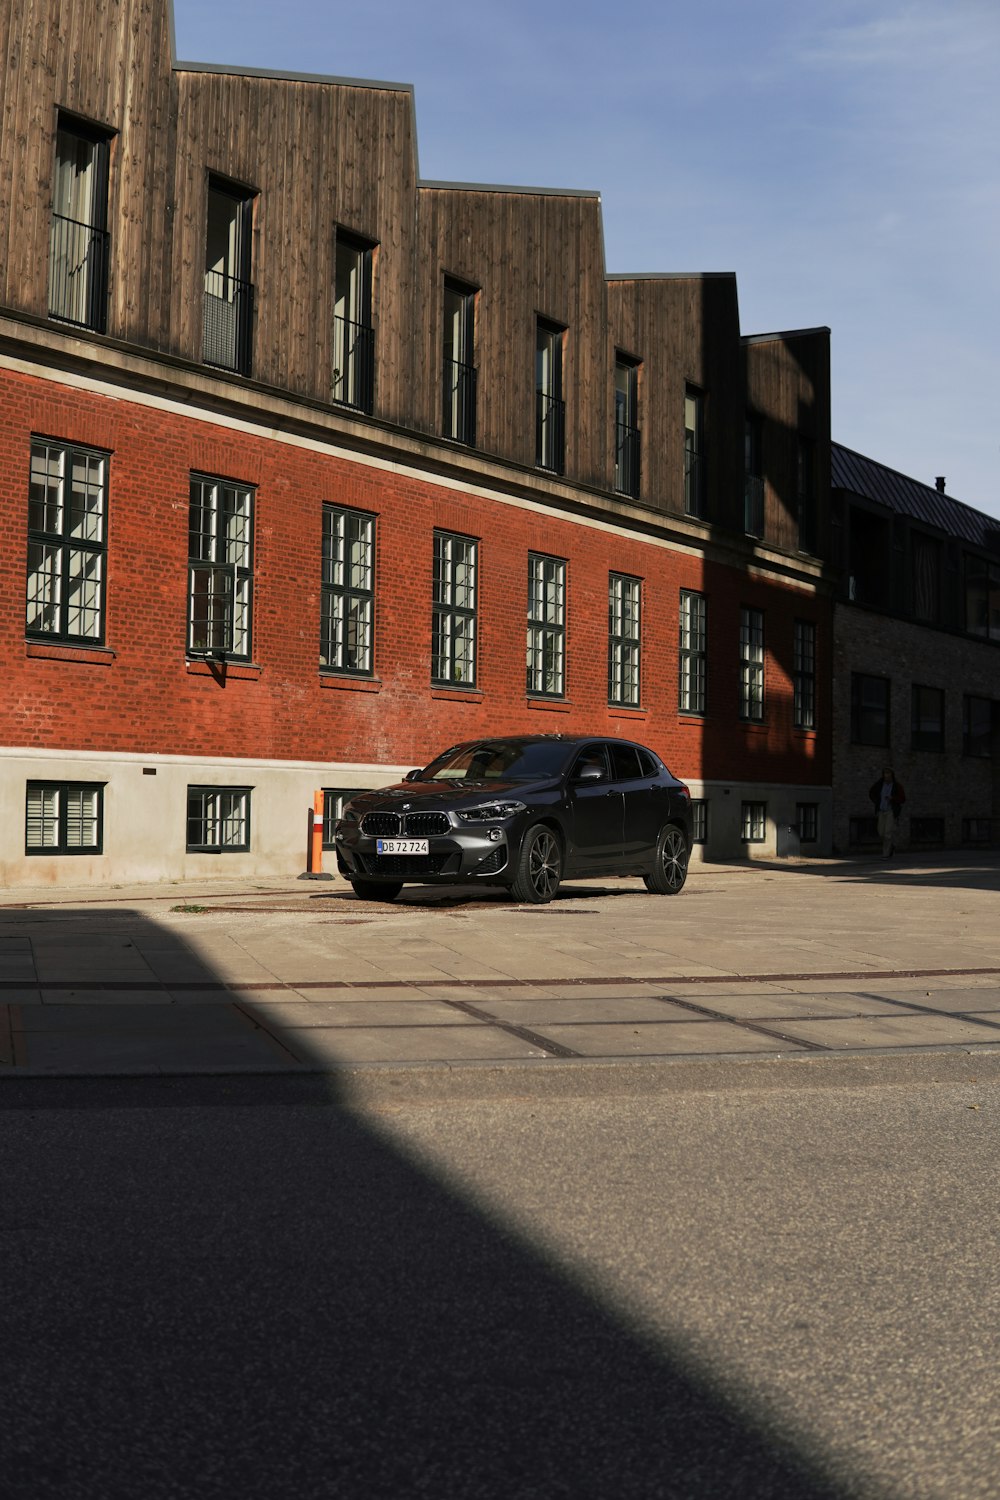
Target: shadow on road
[[240, 1286]]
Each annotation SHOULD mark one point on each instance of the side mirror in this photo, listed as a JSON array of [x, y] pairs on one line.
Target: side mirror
[[589, 772], [413, 775]]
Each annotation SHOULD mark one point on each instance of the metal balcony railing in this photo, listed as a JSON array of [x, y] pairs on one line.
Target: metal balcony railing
[[550, 432], [78, 273], [694, 484], [353, 364], [628, 451], [753, 505], [459, 401], [228, 331]]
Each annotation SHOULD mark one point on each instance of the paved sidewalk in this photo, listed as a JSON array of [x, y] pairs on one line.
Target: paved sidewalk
[[800, 960]]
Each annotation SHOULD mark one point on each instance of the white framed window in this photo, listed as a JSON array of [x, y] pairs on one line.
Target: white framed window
[[453, 630], [804, 675], [67, 543], [693, 654], [220, 568], [752, 665], [347, 605], [624, 639], [753, 822], [546, 664]]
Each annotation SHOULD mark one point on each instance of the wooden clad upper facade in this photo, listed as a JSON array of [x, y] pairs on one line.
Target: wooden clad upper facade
[[312, 163]]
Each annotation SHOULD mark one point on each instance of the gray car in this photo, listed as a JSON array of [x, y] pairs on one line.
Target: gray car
[[523, 812]]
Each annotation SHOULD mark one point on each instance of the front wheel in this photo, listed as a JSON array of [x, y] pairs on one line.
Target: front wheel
[[376, 890], [539, 866], [669, 873]]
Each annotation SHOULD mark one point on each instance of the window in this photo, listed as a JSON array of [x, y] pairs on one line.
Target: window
[[79, 243], [627, 439], [805, 488], [546, 625], [693, 652], [753, 478], [220, 552], [862, 831], [694, 443], [67, 543], [926, 577], [550, 408], [353, 334], [63, 817], [807, 819], [977, 830], [218, 819], [869, 709], [982, 597], [977, 727], [927, 830], [926, 718], [752, 664], [228, 323], [453, 643], [458, 369], [624, 639], [334, 798], [348, 598], [753, 822], [699, 820], [804, 675]]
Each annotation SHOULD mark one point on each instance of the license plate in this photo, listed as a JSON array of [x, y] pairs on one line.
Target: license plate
[[401, 846]]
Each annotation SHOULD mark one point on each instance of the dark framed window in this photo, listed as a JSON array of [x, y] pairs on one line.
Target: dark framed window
[[347, 606], [694, 452], [869, 709], [977, 830], [453, 633], [624, 640], [227, 335], [458, 419], [546, 656], [218, 819], [693, 653], [927, 830], [220, 569], [64, 817], [753, 477], [67, 543], [861, 831], [334, 798], [79, 243], [353, 378], [807, 819], [753, 822], [699, 820], [925, 560], [805, 487], [628, 443], [982, 597], [550, 408], [752, 664], [804, 674], [926, 718], [977, 727]]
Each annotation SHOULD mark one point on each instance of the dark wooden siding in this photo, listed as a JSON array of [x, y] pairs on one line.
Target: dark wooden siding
[[788, 386]]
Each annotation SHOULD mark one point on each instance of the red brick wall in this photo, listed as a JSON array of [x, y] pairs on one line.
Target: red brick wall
[[145, 699]]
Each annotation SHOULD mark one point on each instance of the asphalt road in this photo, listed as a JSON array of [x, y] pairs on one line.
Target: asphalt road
[[244, 1287]]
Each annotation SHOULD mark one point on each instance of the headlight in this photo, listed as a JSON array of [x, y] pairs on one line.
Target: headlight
[[490, 812]]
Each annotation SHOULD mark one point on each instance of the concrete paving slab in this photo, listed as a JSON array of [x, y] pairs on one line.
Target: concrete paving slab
[[403, 1044], [541, 1014], [896, 1031], [669, 1039], [750, 1005], [297, 1014]]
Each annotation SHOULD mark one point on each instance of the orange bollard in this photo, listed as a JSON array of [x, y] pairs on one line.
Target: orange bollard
[[316, 851]]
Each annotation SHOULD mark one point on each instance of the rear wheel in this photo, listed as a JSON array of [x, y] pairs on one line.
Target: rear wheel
[[539, 866], [669, 872], [376, 890]]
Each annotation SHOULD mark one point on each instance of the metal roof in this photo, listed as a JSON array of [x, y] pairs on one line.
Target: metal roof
[[908, 497]]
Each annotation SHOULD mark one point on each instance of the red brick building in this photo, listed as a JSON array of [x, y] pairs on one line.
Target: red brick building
[[310, 469]]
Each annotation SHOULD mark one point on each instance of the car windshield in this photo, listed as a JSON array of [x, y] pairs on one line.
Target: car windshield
[[499, 760]]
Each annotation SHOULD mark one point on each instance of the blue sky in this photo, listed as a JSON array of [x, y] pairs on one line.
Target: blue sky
[[842, 158]]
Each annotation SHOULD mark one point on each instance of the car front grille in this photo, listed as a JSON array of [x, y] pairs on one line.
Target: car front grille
[[408, 866], [414, 825]]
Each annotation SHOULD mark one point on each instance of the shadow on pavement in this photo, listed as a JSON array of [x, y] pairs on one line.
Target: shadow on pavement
[[240, 1286], [959, 870]]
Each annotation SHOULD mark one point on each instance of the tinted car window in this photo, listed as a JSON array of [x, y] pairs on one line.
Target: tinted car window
[[625, 763], [494, 760], [647, 764]]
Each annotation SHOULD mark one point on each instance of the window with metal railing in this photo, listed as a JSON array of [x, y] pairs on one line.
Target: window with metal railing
[[458, 372], [628, 443], [753, 478], [353, 380], [227, 327], [550, 408], [79, 242], [694, 442]]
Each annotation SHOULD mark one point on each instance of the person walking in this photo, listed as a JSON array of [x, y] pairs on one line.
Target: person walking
[[887, 798]]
